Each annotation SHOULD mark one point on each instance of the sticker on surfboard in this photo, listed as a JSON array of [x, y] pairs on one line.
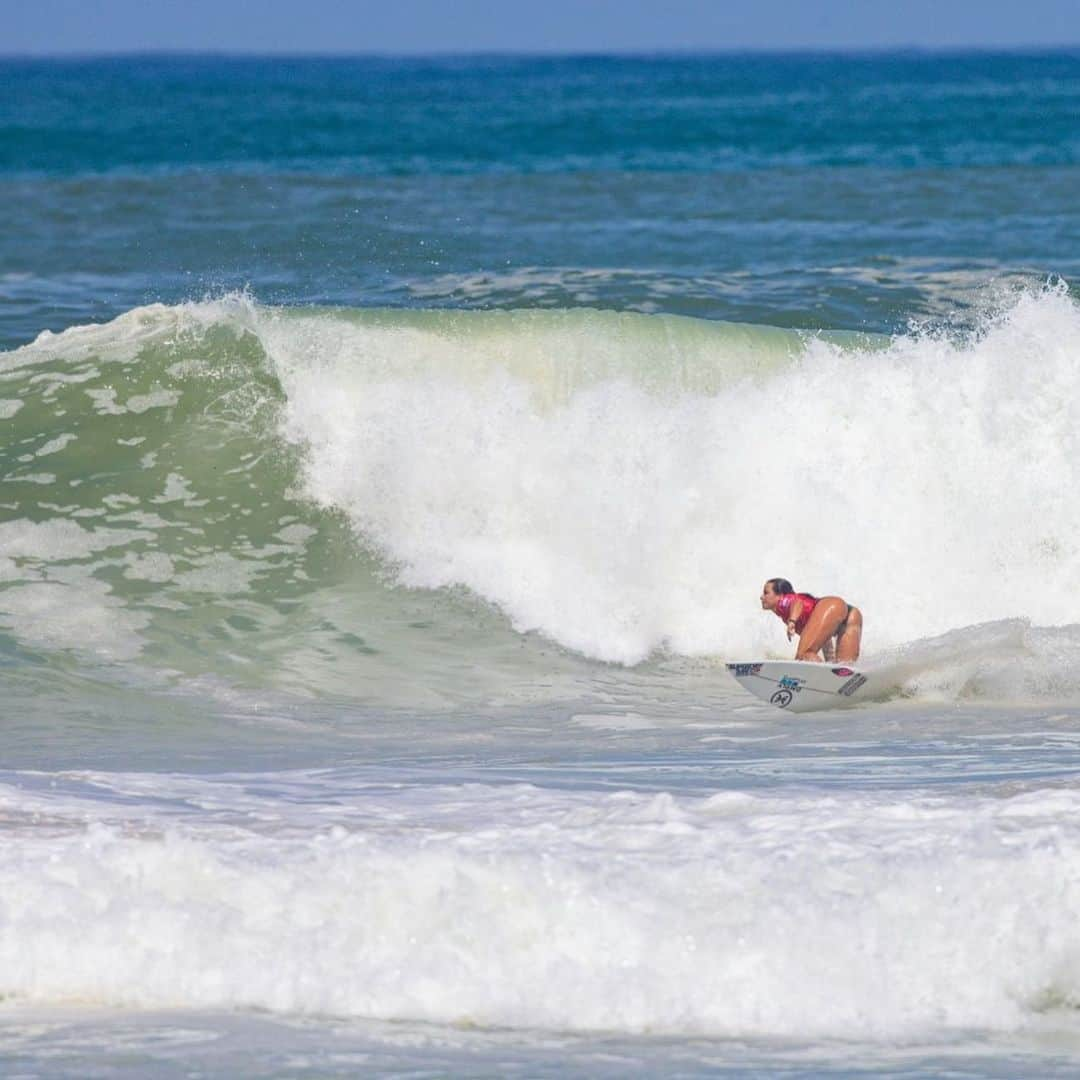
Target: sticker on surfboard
[[802, 686]]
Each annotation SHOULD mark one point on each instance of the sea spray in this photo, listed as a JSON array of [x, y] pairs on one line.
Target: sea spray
[[929, 481]]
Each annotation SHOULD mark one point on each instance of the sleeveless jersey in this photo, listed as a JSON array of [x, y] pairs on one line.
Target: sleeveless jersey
[[787, 601]]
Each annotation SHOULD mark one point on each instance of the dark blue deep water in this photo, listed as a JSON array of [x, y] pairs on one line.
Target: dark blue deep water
[[853, 191]]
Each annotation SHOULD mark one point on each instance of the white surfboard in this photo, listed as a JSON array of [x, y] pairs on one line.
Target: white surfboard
[[802, 686]]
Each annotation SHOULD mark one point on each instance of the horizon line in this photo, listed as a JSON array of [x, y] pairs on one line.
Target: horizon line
[[539, 54]]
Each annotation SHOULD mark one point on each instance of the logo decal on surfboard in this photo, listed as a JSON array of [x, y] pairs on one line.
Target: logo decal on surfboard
[[852, 685], [741, 671]]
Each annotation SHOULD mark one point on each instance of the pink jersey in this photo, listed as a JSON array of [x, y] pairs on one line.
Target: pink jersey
[[787, 600]]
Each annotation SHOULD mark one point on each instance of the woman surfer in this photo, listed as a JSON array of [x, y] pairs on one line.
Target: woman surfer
[[818, 621]]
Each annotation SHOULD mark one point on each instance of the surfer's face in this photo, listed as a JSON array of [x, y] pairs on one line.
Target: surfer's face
[[769, 599]]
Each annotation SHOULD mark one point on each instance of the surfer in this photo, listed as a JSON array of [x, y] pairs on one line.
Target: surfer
[[823, 623]]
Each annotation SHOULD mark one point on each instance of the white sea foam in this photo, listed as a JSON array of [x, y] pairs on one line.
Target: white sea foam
[[73, 611], [929, 482], [54, 446], [851, 915], [221, 574], [44, 542]]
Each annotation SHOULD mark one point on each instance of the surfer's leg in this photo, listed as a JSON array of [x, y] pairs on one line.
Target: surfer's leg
[[823, 623], [850, 637]]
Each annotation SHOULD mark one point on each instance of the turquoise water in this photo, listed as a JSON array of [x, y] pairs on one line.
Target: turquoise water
[[392, 452]]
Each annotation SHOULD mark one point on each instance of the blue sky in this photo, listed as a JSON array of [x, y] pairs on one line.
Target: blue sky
[[418, 26]]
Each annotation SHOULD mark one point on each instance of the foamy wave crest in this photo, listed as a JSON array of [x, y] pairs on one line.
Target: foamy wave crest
[[852, 916], [929, 480], [1005, 661]]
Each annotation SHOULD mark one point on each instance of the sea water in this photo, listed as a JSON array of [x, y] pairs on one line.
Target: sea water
[[392, 454]]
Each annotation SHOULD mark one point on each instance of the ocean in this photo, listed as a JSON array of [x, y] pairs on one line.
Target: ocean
[[393, 452]]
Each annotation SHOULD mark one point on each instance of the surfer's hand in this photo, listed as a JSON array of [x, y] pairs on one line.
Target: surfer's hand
[[790, 630]]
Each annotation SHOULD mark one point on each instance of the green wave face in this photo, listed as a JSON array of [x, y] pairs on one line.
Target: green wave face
[[146, 505]]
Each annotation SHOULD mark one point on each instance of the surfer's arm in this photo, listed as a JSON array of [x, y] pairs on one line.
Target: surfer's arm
[[793, 618]]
